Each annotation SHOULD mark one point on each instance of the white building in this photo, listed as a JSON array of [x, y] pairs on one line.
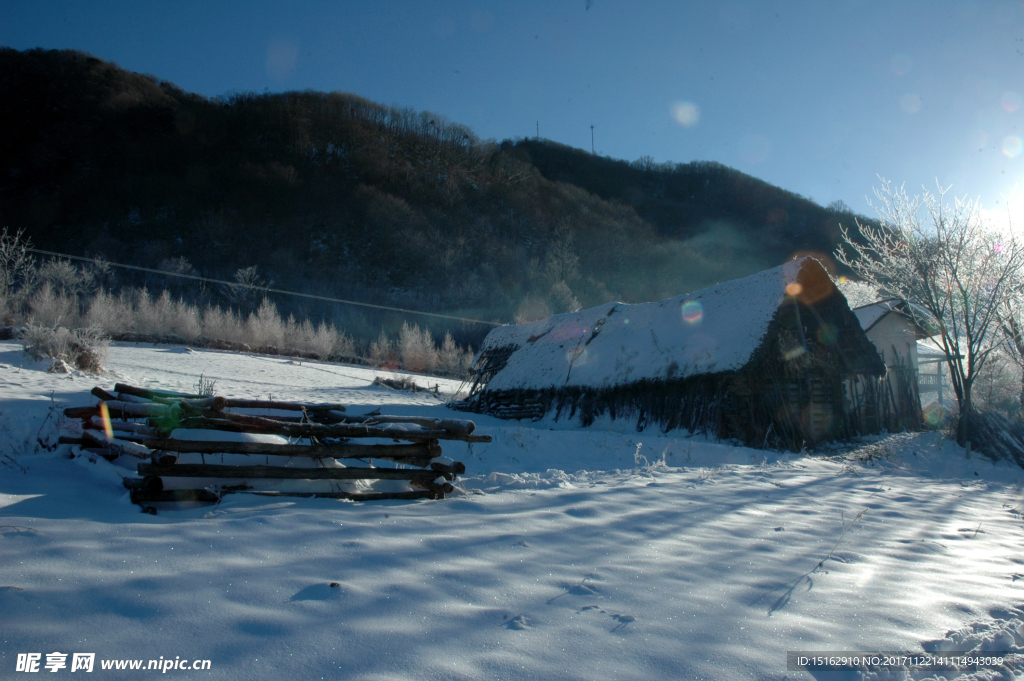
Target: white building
[[895, 335]]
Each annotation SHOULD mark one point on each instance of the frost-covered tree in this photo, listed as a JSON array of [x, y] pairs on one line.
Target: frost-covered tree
[[249, 289], [17, 271], [956, 270]]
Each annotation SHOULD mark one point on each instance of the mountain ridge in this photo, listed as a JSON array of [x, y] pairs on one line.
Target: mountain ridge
[[333, 194]]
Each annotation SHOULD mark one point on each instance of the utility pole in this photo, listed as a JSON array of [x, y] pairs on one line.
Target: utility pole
[[538, 129], [592, 152]]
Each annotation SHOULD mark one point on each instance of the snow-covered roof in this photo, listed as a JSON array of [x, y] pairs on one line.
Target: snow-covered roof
[[708, 331], [869, 315], [859, 293], [927, 353]]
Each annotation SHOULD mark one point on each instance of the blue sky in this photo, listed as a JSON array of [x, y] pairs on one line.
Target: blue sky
[[816, 97]]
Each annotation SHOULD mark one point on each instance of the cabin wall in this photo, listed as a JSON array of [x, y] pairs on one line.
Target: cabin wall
[[797, 410]]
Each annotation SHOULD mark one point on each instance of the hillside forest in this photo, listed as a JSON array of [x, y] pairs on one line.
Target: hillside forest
[[335, 195]]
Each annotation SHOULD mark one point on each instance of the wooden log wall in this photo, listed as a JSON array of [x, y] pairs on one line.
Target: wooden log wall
[[138, 422]]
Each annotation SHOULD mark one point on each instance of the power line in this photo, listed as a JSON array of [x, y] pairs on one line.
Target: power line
[[260, 288]]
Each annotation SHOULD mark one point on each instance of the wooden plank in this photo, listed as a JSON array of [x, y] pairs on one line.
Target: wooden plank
[[366, 496], [150, 394], [102, 394], [419, 450], [197, 470], [136, 429], [243, 423], [99, 438], [216, 411], [284, 406], [450, 425], [122, 410], [143, 496]]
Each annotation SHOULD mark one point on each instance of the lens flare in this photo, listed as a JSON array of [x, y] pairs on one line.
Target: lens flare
[[865, 577], [827, 334], [282, 56], [105, 415], [901, 64], [693, 311], [777, 216], [1012, 146], [933, 413], [910, 102], [794, 289], [577, 355], [686, 114], [1010, 101]]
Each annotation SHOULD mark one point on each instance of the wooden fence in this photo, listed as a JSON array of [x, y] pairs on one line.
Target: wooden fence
[[139, 423]]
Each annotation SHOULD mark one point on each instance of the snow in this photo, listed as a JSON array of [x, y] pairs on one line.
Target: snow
[[927, 352], [567, 553], [869, 315], [711, 330]]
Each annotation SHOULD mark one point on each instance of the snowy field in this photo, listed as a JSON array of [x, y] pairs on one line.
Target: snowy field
[[596, 553]]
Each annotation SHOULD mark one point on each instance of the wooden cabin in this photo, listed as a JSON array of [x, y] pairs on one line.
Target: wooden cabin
[[774, 359]]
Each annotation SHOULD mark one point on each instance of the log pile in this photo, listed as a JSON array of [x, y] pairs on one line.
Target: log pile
[[141, 423]]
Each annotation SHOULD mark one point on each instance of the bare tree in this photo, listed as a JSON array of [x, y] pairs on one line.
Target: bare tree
[[956, 271], [249, 290], [17, 268]]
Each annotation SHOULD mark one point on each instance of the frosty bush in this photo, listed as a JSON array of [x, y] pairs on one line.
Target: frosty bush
[[182, 319], [66, 278], [110, 313], [17, 274], [416, 348], [453, 360], [85, 349], [51, 307], [998, 385], [265, 326], [57, 296], [382, 350], [224, 325], [146, 319], [323, 341]]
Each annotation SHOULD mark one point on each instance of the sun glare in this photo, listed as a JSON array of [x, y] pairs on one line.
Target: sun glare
[[1007, 214]]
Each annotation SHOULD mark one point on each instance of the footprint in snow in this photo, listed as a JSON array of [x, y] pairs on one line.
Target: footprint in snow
[[319, 592], [16, 530], [581, 589], [622, 620], [519, 622]]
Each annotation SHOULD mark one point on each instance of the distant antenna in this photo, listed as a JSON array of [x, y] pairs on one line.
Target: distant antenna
[[538, 129], [592, 140]]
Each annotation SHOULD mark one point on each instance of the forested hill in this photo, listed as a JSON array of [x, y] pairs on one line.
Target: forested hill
[[330, 193], [685, 200]]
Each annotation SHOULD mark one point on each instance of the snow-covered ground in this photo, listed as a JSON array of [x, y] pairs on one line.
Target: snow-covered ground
[[567, 553]]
